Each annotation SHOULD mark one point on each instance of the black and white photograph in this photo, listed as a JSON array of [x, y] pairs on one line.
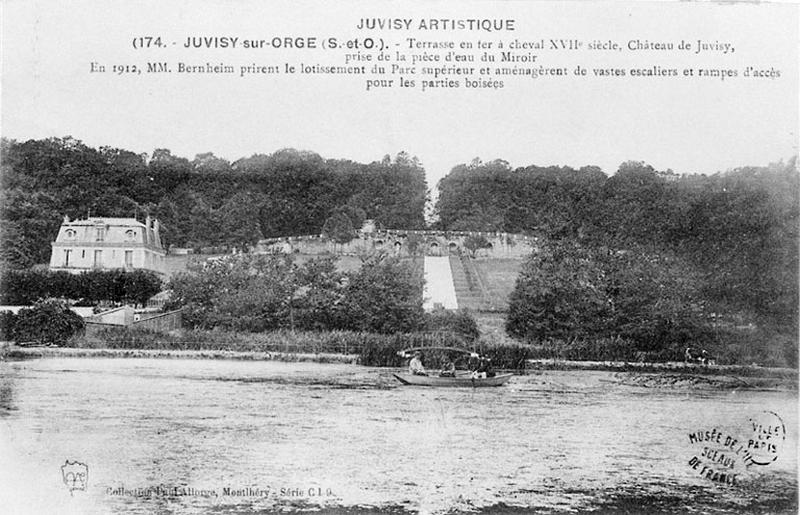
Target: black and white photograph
[[404, 257]]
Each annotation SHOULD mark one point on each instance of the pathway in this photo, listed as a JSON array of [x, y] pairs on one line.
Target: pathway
[[439, 288]]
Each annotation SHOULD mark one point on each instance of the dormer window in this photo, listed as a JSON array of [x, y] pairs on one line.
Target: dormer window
[[130, 235], [70, 234]]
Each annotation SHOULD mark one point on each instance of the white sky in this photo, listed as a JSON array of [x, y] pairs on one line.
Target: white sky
[[687, 125]]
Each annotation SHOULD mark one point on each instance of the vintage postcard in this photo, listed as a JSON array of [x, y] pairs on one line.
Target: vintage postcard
[[399, 257]]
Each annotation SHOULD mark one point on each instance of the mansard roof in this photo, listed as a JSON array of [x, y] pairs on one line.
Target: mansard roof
[[95, 220], [120, 231]]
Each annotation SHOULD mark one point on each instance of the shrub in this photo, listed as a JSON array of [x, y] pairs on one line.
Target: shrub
[[458, 322], [48, 321], [7, 324], [23, 287], [508, 356], [595, 349], [378, 350]]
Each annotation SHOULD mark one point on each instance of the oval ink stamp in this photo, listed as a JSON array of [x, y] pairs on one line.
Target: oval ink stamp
[[721, 456]]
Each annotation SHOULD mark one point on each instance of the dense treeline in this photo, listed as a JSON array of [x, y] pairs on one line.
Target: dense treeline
[[256, 293], [730, 237], [570, 290], [24, 287], [203, 202], [648, 258]]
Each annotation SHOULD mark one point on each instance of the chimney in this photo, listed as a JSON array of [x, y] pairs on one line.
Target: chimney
[[156, 237], [147, 224]]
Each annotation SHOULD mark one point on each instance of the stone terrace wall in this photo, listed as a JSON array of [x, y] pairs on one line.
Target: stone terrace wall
[[429, 243]]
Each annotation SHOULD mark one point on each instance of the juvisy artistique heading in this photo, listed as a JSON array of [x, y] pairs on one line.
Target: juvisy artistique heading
[[447, 24]]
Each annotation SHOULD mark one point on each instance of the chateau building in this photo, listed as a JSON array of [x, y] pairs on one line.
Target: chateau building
[[108, 243]]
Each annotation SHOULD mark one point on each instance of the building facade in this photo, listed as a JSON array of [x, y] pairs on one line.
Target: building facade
[[108, 244]]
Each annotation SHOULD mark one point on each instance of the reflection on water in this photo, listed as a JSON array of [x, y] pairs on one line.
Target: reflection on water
[[234, 437]]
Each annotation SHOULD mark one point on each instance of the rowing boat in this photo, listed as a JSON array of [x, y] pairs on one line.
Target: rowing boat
[[464, 379]]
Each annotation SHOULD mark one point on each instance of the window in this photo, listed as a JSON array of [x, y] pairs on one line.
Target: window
[[100, 233], [66, 257], [128, 258], [98, 258], [70, 234]]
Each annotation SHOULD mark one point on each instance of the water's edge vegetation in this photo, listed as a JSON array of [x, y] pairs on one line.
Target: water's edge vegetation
[[378, 350]]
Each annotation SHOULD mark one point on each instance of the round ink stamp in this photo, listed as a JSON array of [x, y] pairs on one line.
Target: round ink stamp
[[767, 437]]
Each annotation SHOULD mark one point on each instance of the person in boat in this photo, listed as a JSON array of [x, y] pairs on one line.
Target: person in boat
[[473, 363], [485, 369], [415, 365], [448, 368]]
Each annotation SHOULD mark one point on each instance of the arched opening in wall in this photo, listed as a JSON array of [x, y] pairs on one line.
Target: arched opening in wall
[[378, 244], [452, 247], [397, 247], [433, 249]]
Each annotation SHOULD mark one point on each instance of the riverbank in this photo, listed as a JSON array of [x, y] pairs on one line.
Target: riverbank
[[676, 374], [669, 366], [15, 352], [648, 375]]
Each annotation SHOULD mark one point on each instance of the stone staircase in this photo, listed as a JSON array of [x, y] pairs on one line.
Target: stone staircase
[[469, 291], [439, 288]]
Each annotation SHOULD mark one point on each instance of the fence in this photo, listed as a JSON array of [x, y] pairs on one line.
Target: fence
[[161, 322]]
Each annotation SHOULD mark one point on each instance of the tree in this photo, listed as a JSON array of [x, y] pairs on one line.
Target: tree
[[568, 290], [205, 202], [556, 201], [383, 296], [316, 305], [475, 197], [115, 205], [558, 294], [238, 224], [245, 292], [413, 243], [654, 296], [139, 285], [473, 242], [48, 321], [339, 228], [635, 201], [29, 222]]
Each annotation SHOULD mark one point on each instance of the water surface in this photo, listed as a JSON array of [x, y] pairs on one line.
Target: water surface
[[200, 436]]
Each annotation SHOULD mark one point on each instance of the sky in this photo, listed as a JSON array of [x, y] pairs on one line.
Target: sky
[[689, 126]]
